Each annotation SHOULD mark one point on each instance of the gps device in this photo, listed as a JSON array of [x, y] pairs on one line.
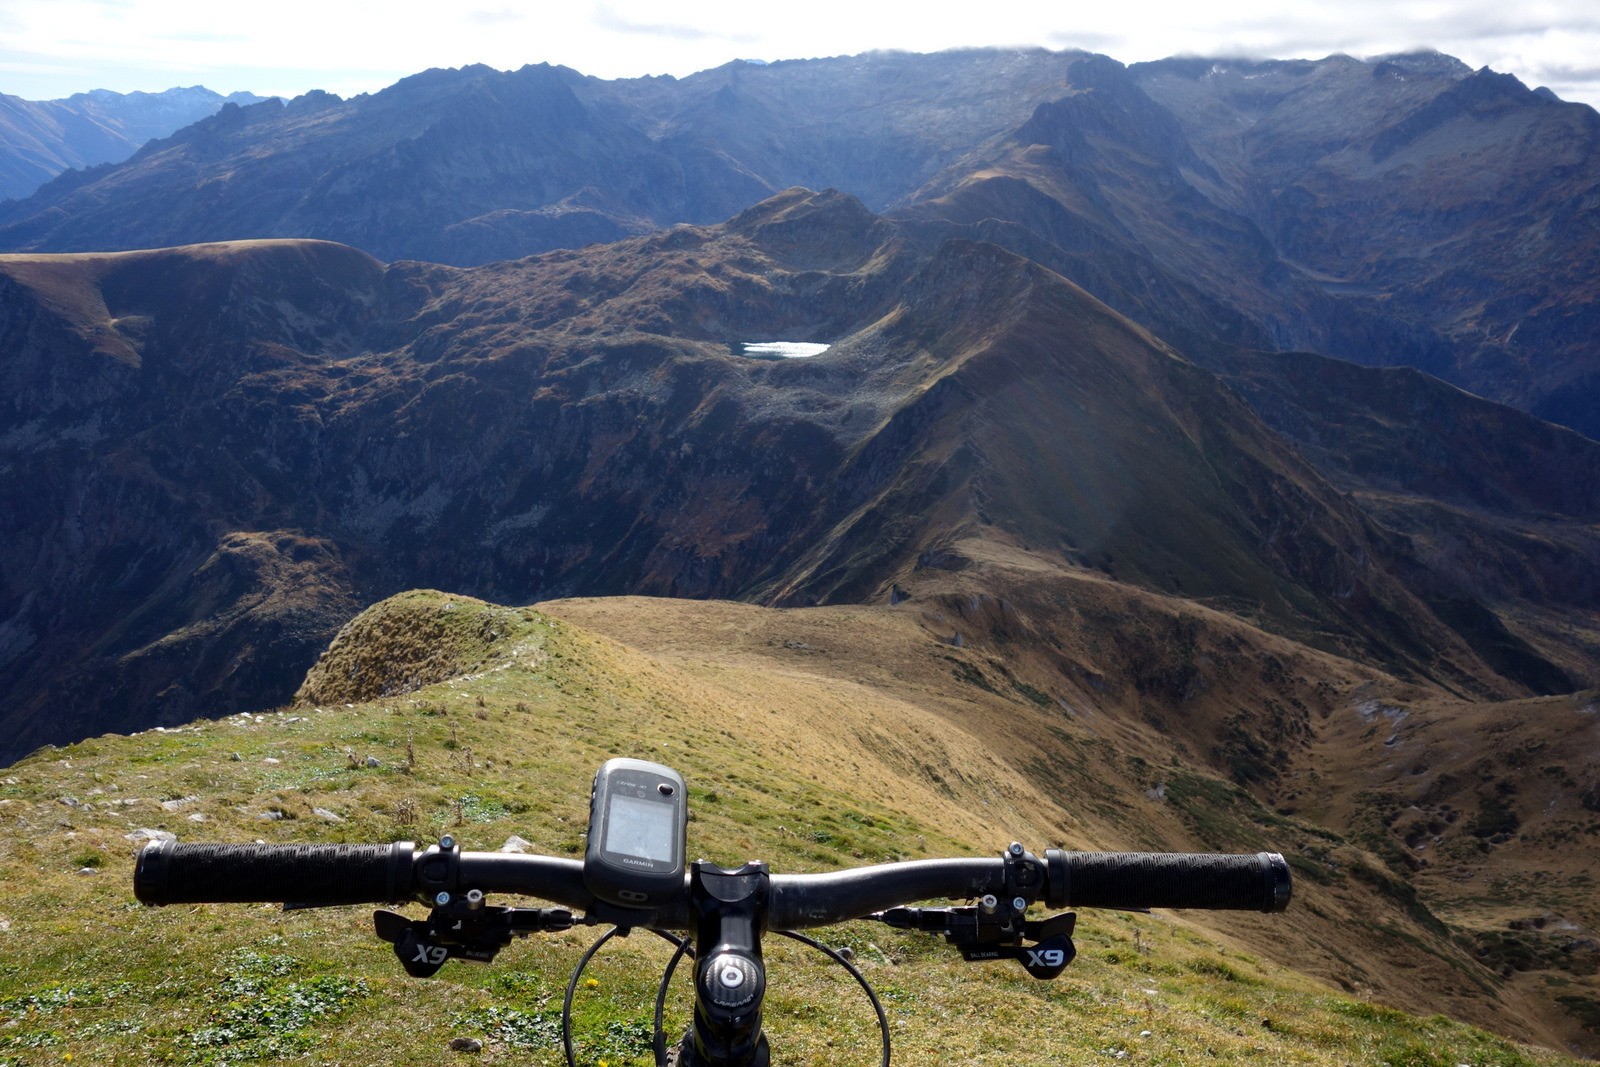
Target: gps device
[[638, 815]]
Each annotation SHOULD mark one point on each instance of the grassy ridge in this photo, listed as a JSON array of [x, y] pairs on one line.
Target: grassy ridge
[[87, 975]]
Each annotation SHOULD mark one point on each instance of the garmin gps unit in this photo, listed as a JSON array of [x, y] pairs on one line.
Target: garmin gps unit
[[638, 813]]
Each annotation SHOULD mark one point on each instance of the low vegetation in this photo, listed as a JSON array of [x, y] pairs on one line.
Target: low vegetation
[[87, 975]]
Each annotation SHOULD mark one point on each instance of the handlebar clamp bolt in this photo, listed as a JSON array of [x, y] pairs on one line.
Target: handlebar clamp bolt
[[989, 902], [1020, 904], [442, 898], [446, 843], [1016, 848]]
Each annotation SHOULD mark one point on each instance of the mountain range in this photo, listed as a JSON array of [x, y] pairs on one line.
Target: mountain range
[[1401, 211], [40, 139], [1079, 411]]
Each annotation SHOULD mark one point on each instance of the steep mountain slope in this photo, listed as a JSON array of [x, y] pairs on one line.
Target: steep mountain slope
[[223, 447], [1146, 470], [121, 497], [1451, 200], [1501, 507], [1396, 212], [41, 138]]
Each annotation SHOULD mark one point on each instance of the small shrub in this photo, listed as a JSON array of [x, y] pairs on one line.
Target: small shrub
[[1210, 967], [405, 812], [1495, 817], [1417, 1054], [1368, 1012], [1586, 1011]]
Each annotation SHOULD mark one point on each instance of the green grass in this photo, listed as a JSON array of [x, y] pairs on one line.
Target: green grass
[[87, 975]]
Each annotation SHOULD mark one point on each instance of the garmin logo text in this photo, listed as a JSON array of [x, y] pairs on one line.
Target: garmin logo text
[[630, 861]]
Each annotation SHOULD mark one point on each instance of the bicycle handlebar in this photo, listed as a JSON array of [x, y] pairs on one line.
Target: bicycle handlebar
[[724, 911], [169, 873], [317, 875], [1123, 880], [1132, 880]]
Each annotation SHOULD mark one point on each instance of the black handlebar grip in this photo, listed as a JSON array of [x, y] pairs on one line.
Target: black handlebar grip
[[169, 873], [1168, 880]]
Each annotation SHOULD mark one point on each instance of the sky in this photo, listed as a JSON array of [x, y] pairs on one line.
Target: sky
[[53, 48]]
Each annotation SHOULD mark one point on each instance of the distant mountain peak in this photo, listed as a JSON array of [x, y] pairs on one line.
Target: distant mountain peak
[[821, 230], [42, 139], [797, 202], [1422, 62]]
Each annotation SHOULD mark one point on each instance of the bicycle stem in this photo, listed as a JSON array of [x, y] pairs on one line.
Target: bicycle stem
[[729, 975]]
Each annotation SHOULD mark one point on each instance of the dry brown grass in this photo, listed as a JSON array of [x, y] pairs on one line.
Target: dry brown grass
[[1052, 723]]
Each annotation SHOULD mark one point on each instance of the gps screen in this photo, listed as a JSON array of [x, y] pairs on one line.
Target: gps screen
[[642, 828]]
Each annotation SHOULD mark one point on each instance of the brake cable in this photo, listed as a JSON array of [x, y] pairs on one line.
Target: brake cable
[[572, 986], [577, 972], [659, 1040], [861, 980], [685, 947]]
